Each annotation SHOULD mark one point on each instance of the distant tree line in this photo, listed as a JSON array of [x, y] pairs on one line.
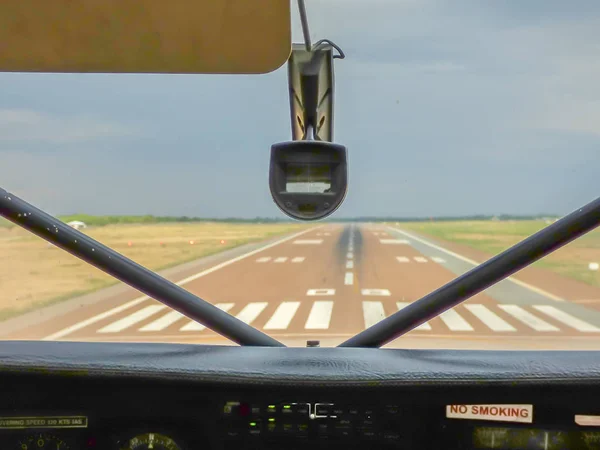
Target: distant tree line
[[109, 220]]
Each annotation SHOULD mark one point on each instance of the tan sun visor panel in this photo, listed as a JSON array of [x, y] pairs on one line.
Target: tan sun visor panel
[[144, 36]]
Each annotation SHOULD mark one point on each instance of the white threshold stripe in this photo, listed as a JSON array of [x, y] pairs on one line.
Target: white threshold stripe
[[454, 321], [373, 313], [131, 319], [567, 319], [195, 326], [527, 318], [475, 263], [282, 317], [349, 278], [320, 316], [251, 311], [162, 323], [111, 312], [423, 326], [489, 318]]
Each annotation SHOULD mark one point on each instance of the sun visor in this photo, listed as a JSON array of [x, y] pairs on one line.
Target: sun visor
[[144, 36]]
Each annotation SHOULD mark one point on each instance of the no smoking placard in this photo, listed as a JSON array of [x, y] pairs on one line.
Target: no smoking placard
[[502, 413]]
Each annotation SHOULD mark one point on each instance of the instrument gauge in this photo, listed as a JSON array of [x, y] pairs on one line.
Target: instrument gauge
[[150, 441], [42, 441]]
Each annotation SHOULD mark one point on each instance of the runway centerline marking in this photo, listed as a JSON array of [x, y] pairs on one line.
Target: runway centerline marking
[[349, 278], [402, 259], [349, 264], [298, 259], [281, 259], [116, 310], [420, 259], [475, 263]]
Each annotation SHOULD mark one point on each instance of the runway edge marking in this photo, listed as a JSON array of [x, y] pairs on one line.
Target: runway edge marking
[[475, 263], [111, 312]]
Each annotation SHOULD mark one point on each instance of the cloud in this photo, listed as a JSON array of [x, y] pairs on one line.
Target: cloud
[[25, 125]]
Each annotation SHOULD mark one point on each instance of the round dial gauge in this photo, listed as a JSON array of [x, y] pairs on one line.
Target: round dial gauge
[[150, 441], [42, 441]]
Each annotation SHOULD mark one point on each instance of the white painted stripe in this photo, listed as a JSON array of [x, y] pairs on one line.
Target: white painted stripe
[[402, 259], [475, 263], [251, 311], [308, 241], [264, 259], [455, 321], [567, 319], [373, 313], [437, 259], [394, 241], [298, 259], [423, 326], [380, 292], [94, 319], [320, 316], [97, 318], [489, 318], [327, 234], [420, 259], [162, 323], [195, 326], [349, 264], [527, 318], [349, 255], [281, 259], [282, 316], [131, 319], [349, 278], [313, 292]]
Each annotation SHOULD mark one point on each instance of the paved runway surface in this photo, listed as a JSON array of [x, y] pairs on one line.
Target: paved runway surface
[[328, 283]]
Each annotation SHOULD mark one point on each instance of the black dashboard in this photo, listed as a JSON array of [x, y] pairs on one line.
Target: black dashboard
[[168, 396]]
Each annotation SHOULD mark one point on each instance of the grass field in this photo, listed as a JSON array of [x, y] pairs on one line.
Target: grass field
[[494, 237], [33, 273]]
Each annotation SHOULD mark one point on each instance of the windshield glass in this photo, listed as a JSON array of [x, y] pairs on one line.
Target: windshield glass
[[469, 126]]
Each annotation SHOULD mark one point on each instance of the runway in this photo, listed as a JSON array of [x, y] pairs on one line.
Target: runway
[[328, 283]]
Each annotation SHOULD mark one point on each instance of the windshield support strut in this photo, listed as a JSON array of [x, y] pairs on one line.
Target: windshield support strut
[[104, 258], [481, 277]]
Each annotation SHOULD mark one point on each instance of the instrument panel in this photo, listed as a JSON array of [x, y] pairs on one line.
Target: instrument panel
[[128, 415]]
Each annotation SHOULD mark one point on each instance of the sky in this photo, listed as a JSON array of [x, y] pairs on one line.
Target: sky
[[446, 108]]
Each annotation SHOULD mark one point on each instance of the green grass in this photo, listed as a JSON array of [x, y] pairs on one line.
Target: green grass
[[493, 237]]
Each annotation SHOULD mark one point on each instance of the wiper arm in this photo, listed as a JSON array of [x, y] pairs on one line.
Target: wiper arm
[[104, 258], [481, 277]]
